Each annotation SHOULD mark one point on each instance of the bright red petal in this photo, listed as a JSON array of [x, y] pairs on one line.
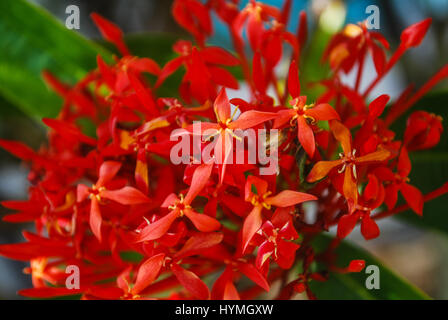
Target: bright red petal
[[191, 282], [148, 272]]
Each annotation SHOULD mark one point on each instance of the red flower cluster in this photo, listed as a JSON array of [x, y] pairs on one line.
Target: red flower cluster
[[194, 230]]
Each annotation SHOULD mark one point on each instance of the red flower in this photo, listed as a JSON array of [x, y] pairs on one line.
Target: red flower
[[303, 113], [263, 199], [180, 206], [99, 192], [347, 162], [400, 182]]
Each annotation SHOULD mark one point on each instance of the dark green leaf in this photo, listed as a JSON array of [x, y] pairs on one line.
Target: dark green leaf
[[352, 286], [31, 41]]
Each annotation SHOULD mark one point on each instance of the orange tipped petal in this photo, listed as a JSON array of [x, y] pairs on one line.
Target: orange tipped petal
[[321, 170], [380, 155], [350, 186], [342, 134]]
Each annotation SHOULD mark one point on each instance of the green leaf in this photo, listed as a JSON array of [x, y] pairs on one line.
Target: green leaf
[[131, 256], [429, 167], [351, 286], [31, 41]]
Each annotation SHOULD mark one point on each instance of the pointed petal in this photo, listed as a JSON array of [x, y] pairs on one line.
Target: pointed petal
[[293, 80], [95, 218], [18, 149], [283, 117], [404, 163], [200, 178], [265, 250], [253, 274], [202, 221], [377, 106], [148, 272], [413, 197], [251, 119], [191, 282], [169, 69], [323, 112], [346, 225], [158, 228], [289, 198], [369, 228], [144, 94], [222, 106], [380, 155], [108, 170], [82, 193], [306, 136], [199, 241], [110, 32], [125, 195], [322, 169], [251, 225], [350, 185], [342, 134], [413, 35]]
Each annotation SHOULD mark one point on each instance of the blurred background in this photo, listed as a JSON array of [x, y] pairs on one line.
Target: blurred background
[[419, 256]]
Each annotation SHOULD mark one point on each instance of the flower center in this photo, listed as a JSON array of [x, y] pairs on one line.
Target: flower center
[[260, 200], [180, 205]]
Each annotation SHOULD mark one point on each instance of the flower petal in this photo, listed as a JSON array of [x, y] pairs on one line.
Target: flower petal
[[158, 228], [413, 197], [200, 178], [369, 228], [202, 221], [126, 195], [323, 112], [306, 136], [191, 282], [251, 119], [95, 218], [342, 134], [251, 225], [293, 80], [289, 198], [148, 272], [321, 170], [222, 106], [108, 170]]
